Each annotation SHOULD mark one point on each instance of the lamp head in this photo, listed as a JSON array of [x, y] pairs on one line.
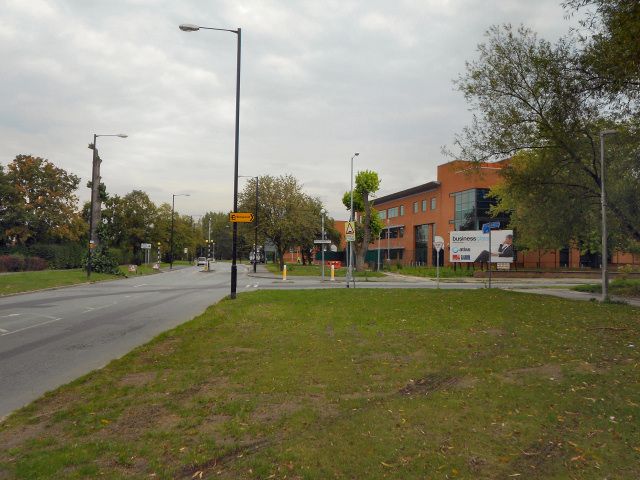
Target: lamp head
[[122, 135], [188, 27], [608, 132], [356, 154]]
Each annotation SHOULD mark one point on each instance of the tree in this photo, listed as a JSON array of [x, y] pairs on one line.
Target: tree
[[533, 97], [610, 59], [284, 211], [8, 210], [368, 224], [44, 202]]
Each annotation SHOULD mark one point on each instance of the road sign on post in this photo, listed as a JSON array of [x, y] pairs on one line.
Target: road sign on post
[[145, 246], [318, 242], [350, 231], [438, 244], [241, 217]]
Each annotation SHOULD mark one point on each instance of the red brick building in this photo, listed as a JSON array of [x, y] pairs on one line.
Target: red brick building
[[455, 201]]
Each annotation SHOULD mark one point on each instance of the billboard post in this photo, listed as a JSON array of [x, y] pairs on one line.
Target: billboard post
[[438, 243]]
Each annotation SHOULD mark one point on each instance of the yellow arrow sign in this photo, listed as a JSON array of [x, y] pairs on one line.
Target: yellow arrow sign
[[240, 217]]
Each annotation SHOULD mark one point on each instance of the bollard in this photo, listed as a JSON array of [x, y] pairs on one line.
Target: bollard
[[284, 273], [333, 272]]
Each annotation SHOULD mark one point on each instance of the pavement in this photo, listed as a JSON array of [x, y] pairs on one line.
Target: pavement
[[49, 338]]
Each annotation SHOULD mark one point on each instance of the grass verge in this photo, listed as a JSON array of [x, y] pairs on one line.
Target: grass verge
[[445, 272], [401, 384], [621, 287], [297, 270], [31, 281]]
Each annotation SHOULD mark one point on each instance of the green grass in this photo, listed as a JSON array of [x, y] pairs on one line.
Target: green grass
[[296, 270], [445, 272], [365, 384], [620, 286], [30, 281]]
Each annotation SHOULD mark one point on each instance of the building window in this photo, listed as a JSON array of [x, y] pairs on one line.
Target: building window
[[433, 203], [401, 210], [382, 214], [393, 232], [424, 205], [392, 212], [472, 209], [415, 207], [421, 235]]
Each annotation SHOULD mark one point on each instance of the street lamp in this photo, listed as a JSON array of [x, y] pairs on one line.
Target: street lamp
[[323, 212], [173, 204], [186, 27], [350, 275], [603, 202], [95, 201], [255, 246]]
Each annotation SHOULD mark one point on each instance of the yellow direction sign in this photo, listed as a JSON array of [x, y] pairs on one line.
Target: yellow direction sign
[[239, 217], [350, 231]]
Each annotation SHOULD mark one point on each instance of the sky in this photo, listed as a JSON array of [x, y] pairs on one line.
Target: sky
[[321, 79]]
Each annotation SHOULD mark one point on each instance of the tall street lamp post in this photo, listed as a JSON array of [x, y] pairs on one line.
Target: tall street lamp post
[[94, 213], [323, 213], [255, 245], [234, 248], [603, 202], [351, 217], [173, 205]]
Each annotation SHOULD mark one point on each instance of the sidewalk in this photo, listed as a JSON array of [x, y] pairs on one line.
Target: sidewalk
[[573, 295]]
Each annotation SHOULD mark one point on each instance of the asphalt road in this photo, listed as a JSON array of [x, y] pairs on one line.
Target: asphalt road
[[51, 337]]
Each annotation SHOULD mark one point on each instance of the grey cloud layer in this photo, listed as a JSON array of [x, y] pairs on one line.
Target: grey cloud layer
[[321, 79]]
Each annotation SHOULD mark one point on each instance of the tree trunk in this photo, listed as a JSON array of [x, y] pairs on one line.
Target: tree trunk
[[366, 225], [280, 251]]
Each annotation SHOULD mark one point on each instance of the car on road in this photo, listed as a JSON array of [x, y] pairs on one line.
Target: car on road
[[201, 261]]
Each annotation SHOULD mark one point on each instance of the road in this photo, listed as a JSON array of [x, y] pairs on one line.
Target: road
[[49, 338]]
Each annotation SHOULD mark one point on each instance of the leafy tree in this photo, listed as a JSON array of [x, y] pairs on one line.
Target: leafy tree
[[284, 210], [45, 204], [8, 198], [368, 224], [532, 96]]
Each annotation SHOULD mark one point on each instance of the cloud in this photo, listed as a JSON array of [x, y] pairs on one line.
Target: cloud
[[320, 80]]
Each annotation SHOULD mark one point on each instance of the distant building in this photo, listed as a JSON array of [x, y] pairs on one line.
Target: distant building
[[457, 200]]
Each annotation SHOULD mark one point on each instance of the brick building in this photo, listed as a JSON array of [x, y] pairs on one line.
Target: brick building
[[455, 201]]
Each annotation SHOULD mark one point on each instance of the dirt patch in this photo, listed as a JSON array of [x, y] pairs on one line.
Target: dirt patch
[[550, 371], [138, 379], [15, 437], [537, 457], [496, 332], [139, 418], [428, 384], [274, 411], [586, 367], [238, 350], [466, 382]]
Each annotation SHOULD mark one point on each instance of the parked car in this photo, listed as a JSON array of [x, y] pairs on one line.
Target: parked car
[[201, 261]]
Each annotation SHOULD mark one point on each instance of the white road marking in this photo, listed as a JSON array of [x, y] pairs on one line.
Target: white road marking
[[53, 320], [2, 330], [141, 285], [10, 315]]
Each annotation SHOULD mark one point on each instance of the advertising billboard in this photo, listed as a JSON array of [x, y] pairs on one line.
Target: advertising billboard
[[473, 246]]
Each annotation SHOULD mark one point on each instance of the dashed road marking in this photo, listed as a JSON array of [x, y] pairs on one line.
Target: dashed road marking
[[10, 315], [141, 285], [53, 320]]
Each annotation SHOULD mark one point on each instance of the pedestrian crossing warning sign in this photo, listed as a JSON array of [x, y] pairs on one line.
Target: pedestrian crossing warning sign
[[350, 231]]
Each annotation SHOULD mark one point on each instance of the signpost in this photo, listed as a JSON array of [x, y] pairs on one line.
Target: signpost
[[486, 228], [241, 217], [350, 231], [438, 244], [147, 251]]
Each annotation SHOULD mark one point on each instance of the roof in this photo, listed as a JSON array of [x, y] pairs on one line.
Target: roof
[[425, 187]]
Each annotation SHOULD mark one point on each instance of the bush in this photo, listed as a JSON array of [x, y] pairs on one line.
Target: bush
[[58, 256], [18, 263], [103, 261], [35, 263], [11, 263]]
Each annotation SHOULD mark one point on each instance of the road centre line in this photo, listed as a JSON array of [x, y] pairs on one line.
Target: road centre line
[[10, 315], [141, 285]]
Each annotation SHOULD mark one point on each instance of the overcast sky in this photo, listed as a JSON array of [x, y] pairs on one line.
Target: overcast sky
[[320, 80]]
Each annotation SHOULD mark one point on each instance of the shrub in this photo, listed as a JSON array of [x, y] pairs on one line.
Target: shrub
[[11, 263], [103, 261], [35, 263]]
